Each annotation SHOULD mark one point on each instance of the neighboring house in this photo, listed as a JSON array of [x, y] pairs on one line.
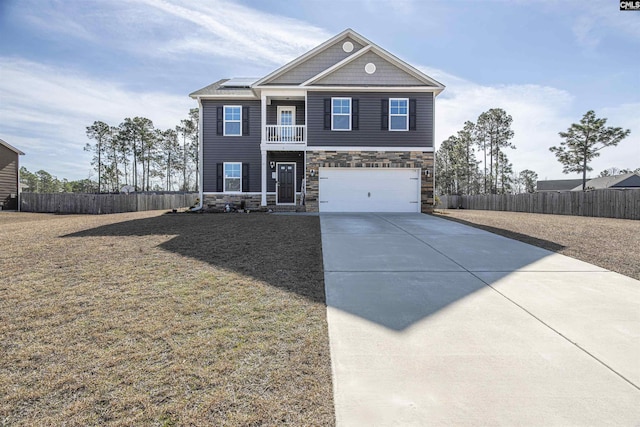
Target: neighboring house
[[557, 185], [619, 182], [9, 181], [345, 127]]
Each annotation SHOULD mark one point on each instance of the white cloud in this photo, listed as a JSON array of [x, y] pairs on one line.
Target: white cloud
[[233, 30], [173, 28], [45, 111], [595, 19], [539, 113]]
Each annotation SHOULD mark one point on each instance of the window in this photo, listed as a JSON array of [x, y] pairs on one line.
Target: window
[[340, 113], [232, 120], [398, 114], [232, 177]]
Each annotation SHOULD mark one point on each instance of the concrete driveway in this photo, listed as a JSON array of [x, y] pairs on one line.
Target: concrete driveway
[[435, 323]]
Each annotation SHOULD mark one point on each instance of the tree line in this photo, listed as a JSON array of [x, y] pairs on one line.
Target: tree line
[[458, 170], [43, 182], [143, 158]]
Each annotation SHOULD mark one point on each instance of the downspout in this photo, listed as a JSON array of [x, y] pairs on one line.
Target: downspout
[[199, 178]]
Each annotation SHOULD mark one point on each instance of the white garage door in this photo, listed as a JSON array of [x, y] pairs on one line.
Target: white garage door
[[369, 190]]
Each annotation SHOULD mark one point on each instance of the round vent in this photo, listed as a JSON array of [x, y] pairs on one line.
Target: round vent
[[370, 68], [347, 47]]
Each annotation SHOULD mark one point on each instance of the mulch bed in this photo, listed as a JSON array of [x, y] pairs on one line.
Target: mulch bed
[[163, 319], [606, 242]]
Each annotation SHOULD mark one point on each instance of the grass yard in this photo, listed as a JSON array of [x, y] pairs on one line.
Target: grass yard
[[606, 242], [163, 319]]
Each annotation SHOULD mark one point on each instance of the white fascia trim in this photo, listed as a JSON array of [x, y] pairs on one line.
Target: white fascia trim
[[283, 147], [425, 89], [235, 193], [407, 67], [235, 97], [337, 66], [345, 148], [273, 91], [348, 32]]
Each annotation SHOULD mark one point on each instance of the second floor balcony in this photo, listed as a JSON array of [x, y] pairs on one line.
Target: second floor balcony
[[285, 134]]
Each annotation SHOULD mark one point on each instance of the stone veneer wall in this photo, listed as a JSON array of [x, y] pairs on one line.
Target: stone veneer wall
[[217, 201], [370, 159]]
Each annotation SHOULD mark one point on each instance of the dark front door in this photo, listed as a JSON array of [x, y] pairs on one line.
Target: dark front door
[[286, 182]]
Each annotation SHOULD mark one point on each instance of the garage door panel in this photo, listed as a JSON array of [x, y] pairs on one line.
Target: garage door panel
[[369, 190]]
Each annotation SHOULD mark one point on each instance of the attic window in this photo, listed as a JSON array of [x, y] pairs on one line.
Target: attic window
[[370, 68], [347, 47]]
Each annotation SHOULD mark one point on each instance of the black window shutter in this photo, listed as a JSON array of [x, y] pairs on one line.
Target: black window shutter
[[412, 114], [245, 120], [219, 119], [327, 113], [355, 114], [245, 177], [219, 177], [384, 115]]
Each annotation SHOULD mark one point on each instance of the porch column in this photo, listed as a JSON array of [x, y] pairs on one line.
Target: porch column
[[263, 200]]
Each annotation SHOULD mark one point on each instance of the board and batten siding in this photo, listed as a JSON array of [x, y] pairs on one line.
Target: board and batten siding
[[316, 64], [219, 149], [8, 175], [370, 133]]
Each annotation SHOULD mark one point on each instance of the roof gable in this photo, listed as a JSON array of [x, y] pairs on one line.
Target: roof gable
[[10, 147], [354, 72], [341, 60], [317, 63]]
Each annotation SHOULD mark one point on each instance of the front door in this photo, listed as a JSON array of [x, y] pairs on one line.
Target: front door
[[286, 184], [286, 122]]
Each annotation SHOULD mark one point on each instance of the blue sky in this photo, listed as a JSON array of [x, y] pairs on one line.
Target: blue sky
[[64, 64]]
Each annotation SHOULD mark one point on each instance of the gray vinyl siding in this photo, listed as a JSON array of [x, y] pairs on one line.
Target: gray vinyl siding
[[285, 156], [219, 149], [320, 62], [272, 111], [8, 175], [353, 73], [370, 133]]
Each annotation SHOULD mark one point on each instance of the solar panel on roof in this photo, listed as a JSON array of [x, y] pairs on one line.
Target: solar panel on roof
[[240, 82]]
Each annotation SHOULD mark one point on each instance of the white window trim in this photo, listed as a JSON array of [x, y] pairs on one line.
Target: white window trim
[[286, 107], [224, 120], [224, 177], [341, 114], [399, 115]]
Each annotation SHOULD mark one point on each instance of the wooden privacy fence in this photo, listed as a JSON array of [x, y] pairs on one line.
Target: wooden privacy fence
[[80, 203], [600, 203]]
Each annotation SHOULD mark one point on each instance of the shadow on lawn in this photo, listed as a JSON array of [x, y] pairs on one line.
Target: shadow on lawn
[[541, 243], [283, 251]]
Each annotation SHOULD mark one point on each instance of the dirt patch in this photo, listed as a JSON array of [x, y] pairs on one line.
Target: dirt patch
[[606, 242], [154, 319]]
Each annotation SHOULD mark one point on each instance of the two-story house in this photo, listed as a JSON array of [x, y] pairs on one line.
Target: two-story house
[[346, 127]]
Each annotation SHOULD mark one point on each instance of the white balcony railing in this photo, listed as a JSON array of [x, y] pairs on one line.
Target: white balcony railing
[[285, 134]]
